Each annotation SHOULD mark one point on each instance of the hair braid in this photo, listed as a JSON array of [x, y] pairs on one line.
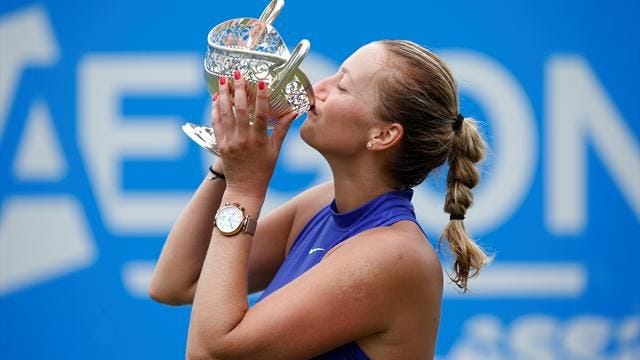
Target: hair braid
[[467, 149]]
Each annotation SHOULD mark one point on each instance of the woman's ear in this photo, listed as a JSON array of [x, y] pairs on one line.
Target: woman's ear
[[384, 136]]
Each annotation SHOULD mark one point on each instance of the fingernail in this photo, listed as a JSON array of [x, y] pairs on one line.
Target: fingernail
[[236, 75], [223, 80], [261, 85], [215, 96]]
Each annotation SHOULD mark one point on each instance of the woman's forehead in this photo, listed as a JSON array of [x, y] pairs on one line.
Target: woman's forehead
[[363, 63], [371, 54]]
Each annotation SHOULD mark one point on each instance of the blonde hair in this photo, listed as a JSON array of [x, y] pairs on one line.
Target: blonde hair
[[418, 91]]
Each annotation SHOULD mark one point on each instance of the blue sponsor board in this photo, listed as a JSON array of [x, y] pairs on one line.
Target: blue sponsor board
[[94, 167]]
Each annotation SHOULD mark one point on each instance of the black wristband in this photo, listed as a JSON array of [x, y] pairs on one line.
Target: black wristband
[[215, 174]]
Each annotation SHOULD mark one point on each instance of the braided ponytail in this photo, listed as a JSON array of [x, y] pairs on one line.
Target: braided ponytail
[[418, 91], [468, 148]]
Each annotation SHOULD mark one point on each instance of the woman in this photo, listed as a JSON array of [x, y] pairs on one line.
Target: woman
[[348, 272]]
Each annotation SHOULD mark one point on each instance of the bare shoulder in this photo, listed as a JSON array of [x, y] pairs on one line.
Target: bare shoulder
[[398, 264], [396, 259], [381, 288], [401, 246], [307, 204]]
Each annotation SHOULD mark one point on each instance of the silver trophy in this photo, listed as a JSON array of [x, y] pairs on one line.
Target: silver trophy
[[255, 48]]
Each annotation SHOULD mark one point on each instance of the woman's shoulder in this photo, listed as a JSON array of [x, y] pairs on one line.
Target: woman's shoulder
[[401, 248], [398, 267], [305, 206]]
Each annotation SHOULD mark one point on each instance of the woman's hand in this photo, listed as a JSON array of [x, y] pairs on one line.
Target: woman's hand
[[248, 153]]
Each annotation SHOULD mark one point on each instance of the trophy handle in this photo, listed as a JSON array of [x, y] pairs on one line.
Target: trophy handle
[[272, 11], [285, 70]]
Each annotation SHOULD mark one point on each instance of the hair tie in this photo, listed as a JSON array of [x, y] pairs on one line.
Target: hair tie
[[456, 217], [457, 124]]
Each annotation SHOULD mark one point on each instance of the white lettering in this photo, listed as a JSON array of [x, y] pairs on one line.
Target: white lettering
[[586, 337], [26, 39], [525, 280], [42, 238], [106, 136], [532, 337], [539, 336], [579, 108], [40, 155]]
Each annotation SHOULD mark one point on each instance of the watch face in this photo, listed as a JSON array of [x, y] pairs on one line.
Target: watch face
[[229, 219]]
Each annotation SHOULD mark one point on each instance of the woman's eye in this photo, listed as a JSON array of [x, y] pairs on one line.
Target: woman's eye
[[340, 88]]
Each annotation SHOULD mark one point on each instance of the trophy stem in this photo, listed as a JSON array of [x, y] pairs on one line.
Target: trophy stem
[[203, 136]]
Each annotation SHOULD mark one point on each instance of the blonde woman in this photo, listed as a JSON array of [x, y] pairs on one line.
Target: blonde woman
[[347, 272]]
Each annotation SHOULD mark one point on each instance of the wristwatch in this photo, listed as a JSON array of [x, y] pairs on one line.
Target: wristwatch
[[231, 219]]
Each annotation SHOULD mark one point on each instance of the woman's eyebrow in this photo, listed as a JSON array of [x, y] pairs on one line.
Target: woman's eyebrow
[[342, 72]]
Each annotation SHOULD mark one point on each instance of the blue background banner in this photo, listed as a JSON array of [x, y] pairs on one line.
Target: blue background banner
[[94, 168]]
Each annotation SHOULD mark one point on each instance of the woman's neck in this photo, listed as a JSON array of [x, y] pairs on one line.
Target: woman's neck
[[356, 185]]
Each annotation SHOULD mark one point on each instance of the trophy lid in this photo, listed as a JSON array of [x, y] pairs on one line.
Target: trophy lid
[[248, 34], [252, 34], [256, 49]]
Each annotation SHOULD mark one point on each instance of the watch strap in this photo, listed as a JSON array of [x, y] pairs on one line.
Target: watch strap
[[250, 225]]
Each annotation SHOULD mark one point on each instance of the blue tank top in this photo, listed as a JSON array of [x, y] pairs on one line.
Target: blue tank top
[[329, 228]]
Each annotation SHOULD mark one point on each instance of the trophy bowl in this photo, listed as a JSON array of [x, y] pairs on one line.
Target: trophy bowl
[[256, 49]]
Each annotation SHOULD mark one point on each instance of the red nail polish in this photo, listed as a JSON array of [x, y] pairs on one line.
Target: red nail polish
[[215, 96], [261, 85], [223, 80], [236, 75]]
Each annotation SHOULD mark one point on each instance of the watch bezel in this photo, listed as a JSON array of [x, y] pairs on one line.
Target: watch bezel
[[238, 228]]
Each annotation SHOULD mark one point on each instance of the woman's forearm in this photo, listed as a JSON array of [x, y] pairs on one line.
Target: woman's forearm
[[250, 156], [220, 302], [177, 271]]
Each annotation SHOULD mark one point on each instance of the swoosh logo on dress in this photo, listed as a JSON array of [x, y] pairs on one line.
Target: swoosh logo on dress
[[315, 249]]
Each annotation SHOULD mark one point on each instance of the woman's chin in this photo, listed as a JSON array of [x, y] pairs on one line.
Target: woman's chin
[[306, 131]]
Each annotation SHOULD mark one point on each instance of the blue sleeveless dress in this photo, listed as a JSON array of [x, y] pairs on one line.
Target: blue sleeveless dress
[[329, 228]]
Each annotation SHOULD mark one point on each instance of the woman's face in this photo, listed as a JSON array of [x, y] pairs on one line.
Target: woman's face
[[344, 104]]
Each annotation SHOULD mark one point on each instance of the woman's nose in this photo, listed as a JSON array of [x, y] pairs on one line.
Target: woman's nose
[[320, 88]]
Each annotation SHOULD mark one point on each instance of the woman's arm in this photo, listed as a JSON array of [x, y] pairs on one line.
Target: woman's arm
[[176, 274], [175, 278], [365, 288], [278, 230], [249, 155]]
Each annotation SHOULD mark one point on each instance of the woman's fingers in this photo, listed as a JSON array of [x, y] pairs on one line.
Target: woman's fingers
[[215, 114], [262, 108], [230, 115], [224, 104], [240, 103], [281, 129]]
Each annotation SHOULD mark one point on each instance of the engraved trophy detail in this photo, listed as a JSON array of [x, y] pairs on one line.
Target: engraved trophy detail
[[256, 49]]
